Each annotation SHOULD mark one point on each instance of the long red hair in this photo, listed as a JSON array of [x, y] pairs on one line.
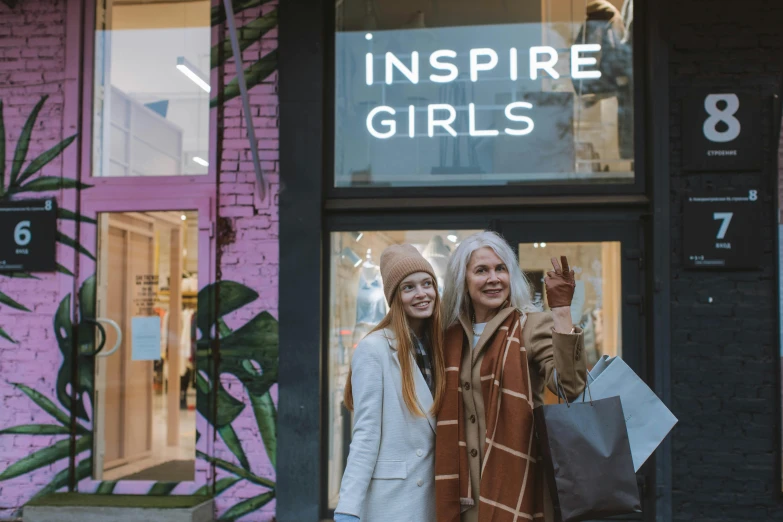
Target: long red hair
[[397, 322]]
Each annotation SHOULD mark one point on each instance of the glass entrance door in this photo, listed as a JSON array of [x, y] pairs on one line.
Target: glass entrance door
[[145, 399], [608, 305], [152, 256]]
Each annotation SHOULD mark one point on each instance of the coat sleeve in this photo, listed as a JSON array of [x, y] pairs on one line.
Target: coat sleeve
[[556, 351], [367, 384]]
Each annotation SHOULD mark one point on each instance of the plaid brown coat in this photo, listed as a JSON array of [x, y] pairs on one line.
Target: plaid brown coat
[[470, 374]]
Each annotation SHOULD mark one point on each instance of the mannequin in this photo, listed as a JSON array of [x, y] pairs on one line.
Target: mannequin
[[437, 253], [370, 301]]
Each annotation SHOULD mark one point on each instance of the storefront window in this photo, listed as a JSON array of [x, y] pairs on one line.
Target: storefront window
[[151, 89], [357, 305], [483, 93]]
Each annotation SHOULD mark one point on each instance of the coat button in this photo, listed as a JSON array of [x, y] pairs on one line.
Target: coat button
[[473, 419], [419, 453], [467, 385], [420, 483], [473, 452]]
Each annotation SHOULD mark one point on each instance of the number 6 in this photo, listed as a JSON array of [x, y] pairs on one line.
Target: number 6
[[22, 234]]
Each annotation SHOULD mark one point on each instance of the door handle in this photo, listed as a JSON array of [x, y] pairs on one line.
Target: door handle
[[116, 346], [101, 329]]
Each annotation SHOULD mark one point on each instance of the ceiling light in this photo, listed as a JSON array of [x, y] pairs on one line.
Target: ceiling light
[[183, 217], [535, 245], [189, 70], [452, 237], [351, 256], [357, 236], [201, 161], [543, 245]]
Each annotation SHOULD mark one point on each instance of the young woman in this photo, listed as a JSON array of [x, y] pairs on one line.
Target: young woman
[[395, 386], [499, 353]]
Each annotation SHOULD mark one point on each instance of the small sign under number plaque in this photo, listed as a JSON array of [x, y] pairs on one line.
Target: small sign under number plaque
[[28, 235], [722, 230]]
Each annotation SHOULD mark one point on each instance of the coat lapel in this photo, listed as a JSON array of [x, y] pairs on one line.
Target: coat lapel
[[423, 393]]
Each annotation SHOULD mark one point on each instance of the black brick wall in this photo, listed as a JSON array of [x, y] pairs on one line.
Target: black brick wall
[[725, 361]]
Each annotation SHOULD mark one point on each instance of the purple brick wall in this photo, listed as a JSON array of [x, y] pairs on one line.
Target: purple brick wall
[[35, 60], [32, 64], [251, 256]]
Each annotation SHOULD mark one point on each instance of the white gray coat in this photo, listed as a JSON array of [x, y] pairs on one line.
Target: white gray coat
[[390, 476]]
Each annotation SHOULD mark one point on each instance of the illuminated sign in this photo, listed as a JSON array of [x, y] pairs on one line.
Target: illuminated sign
[[382, 121], [488, 104]]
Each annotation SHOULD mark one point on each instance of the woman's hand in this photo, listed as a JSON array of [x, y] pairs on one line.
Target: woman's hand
[[560, 284]]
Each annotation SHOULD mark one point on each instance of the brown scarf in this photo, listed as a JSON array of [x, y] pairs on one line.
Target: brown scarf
[[509, 488]]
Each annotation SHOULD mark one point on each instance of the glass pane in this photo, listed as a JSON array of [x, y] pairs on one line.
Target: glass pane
[[152, 65], [357, 304], [145, 418], [483, 93], [597, 303]]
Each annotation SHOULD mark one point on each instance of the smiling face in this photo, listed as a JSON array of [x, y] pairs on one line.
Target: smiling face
[[418, 293], [488, 283]]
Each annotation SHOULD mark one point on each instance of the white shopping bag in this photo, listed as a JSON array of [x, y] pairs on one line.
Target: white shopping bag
[[647, 418]]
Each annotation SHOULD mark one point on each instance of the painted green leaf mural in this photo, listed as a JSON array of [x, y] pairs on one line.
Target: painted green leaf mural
[[266, 418], [45, 404], [248, 506], [83, 471], [18, 183], [252, 32], [45, 457], [36, 429], [247, 36], [63, 330]]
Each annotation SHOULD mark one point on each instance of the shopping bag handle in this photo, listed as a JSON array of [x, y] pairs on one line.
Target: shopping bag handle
[[560, 389]]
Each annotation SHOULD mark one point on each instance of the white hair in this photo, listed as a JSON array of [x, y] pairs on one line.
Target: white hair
[[456, 300]]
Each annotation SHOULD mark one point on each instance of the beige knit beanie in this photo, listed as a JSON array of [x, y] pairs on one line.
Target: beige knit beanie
[[397, 263]]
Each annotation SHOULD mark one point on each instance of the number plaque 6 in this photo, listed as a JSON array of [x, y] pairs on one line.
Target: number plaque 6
[[22, 234]]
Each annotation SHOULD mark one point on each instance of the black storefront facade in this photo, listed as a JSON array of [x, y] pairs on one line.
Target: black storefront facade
[[357, 175]]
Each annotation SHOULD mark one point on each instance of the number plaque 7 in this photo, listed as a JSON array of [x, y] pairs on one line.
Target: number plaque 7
[[724, 227]]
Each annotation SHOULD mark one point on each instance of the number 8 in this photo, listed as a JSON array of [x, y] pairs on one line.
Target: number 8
[[48, 204], [726, 116]]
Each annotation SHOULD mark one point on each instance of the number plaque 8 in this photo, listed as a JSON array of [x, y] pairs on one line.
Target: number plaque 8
[[726, 116]]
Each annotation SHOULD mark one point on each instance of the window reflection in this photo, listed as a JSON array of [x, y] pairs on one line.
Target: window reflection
[[151, 96], [483, 93]]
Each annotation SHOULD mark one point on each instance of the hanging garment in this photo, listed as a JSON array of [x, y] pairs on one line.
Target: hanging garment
[[604, 26], [370, 301]]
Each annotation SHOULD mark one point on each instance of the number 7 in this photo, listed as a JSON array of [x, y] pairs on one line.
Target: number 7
[[724, 227]]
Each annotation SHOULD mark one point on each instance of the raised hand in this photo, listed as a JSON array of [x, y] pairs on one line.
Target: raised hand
[[560, 284]]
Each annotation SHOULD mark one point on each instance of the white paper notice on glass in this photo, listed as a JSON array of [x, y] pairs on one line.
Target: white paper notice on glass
[[145, 338]]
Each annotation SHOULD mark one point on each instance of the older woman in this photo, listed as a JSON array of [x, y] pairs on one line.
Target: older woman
[[499, 353]]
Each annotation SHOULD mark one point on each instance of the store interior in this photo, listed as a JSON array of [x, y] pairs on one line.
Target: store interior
[[357, 304], [145, 419], [152, 88]]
